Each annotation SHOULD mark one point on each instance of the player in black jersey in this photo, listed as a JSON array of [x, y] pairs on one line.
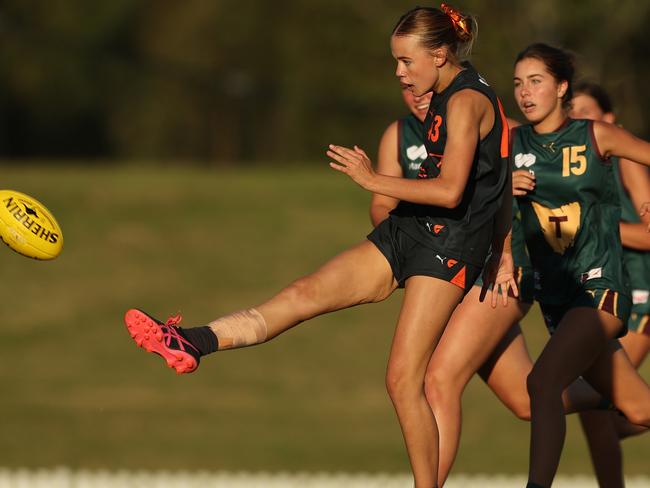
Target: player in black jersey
[[476, 329], [570, 222], [401, 150], [419, 224], [435, 243], [603, 429]]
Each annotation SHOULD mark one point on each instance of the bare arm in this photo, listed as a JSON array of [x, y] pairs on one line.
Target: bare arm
[[466, 110], [387, 164], [636, 180], [635, 236], [616, 141]]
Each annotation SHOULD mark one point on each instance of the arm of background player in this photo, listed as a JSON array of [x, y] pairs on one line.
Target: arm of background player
[[387, 164], [466, 110], [613, 140], [636, 181]]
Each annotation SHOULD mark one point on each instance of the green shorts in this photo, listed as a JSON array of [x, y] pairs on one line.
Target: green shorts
[[607, 300]]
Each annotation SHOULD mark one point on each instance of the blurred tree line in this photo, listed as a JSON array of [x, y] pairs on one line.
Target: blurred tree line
[[228, 81]]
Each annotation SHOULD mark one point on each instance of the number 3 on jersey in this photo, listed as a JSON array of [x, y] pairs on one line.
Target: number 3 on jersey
[[573, 160], [559, 225]]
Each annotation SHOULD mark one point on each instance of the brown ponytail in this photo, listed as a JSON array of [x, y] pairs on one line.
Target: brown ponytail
[[440, 27]]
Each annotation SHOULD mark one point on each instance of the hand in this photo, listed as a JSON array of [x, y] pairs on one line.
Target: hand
[[523, 181], [645, 208], [354, 163], [499, 272]]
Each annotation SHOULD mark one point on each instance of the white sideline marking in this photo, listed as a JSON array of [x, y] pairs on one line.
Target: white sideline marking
[[65, 478]]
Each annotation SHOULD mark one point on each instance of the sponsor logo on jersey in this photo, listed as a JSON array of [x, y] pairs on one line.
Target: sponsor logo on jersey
[[640, 296], [525, 160], [416, 152], [482, 80], [591, 274]]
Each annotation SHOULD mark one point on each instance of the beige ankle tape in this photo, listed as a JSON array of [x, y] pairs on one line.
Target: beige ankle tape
[[240, 329]]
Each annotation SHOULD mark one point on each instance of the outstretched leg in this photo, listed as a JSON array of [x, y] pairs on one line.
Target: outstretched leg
[[358, 275]]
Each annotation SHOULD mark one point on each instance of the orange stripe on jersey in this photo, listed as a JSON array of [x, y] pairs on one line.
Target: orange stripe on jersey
[[505, 132]]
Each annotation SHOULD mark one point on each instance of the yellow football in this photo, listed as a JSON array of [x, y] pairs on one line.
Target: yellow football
[[27, 227]]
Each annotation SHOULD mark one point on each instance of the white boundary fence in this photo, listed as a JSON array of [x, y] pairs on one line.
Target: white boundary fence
[[65, 478]]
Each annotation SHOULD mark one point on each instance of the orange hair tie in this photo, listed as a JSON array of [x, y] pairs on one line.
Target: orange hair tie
[[460, 22]]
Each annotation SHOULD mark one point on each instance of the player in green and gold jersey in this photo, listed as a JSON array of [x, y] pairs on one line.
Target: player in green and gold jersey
[[570, 221], [603, 429], [401, 150]]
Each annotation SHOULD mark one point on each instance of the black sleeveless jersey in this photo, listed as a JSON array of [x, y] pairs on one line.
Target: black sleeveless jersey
[[465, 232]]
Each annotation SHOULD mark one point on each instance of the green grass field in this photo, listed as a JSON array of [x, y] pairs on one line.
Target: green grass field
[[77, 392]]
